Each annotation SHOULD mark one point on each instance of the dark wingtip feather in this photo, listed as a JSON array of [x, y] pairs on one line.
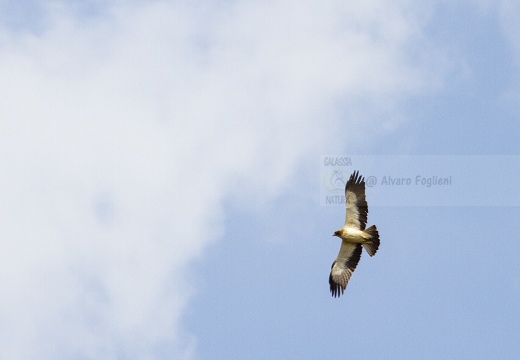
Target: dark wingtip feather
[[355, 179], [335, 289]]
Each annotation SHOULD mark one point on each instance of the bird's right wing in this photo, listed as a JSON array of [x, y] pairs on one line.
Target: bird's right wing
[[357, 207], [343, 267]]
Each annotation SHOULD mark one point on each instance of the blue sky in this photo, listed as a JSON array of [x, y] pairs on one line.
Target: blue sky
[[162, 167]]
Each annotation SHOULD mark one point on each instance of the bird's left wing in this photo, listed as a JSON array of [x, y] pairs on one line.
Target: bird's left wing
[[357, 207], [343, 267]]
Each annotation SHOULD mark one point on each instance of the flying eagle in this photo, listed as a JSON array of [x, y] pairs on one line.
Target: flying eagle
[[353, 235]]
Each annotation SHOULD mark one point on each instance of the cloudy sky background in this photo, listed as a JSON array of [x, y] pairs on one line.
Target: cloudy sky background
[[160, 183]]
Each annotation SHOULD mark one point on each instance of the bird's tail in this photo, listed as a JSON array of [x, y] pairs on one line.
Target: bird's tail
[[372, 244]]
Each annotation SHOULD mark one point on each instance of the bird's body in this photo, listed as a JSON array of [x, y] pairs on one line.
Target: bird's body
[[354, 236], [351, 234]]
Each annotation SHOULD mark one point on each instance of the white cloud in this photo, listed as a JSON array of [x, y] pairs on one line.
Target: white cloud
[[121, 134]]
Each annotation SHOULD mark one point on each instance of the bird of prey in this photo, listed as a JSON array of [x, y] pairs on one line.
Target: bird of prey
[[353, 235]]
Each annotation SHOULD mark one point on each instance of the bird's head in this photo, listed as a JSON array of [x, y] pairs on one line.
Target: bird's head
[[338, 233]]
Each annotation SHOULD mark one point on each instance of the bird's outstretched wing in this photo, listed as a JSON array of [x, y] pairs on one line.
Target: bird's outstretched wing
[[357, 207], [343, 267]]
